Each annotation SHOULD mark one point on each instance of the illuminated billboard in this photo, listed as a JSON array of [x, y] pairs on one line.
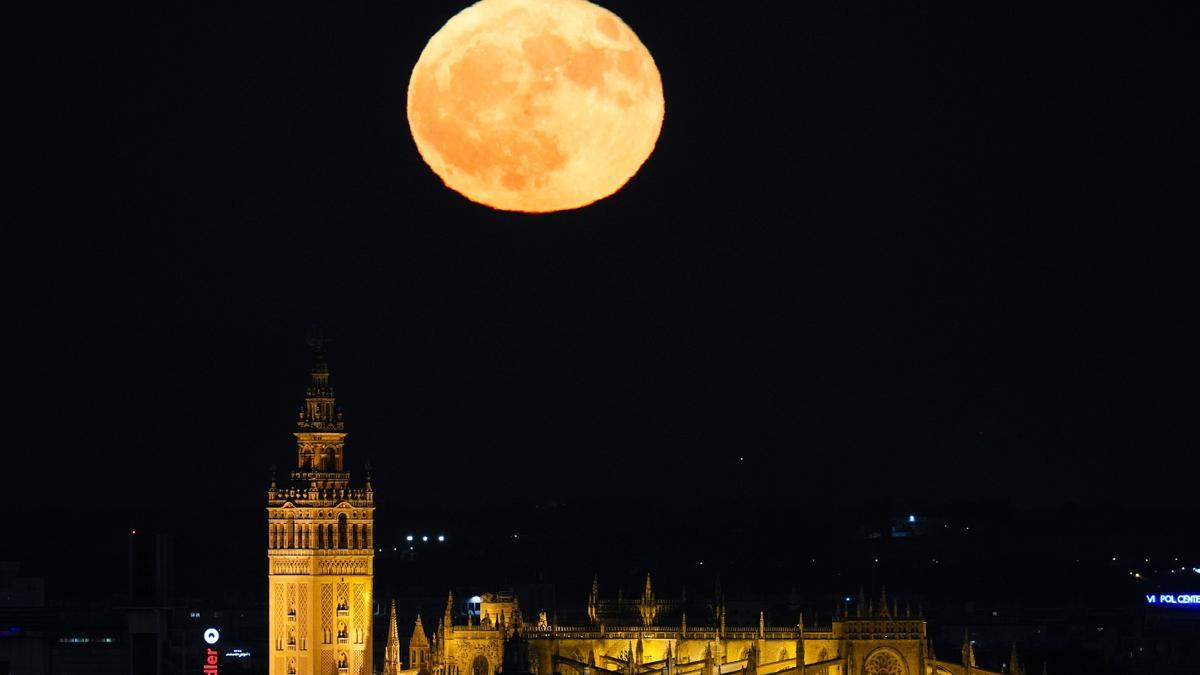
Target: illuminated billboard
[[212, 658], [1173, 599]]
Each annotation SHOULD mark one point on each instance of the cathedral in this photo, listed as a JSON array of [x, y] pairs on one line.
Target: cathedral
[[652, 636], [320, 603]]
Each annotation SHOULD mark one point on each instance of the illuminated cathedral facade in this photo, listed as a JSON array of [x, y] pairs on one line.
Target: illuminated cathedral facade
[[320, 558], [320, 535], [652, 636]]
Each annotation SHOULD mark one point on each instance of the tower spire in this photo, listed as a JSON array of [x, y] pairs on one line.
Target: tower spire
[[648, 607], [319, 410], [800, 644], [594, 599], [391, 653], [320, 430], [419, 648], [1014, 664]]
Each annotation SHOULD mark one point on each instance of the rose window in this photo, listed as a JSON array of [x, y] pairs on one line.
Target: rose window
[[884, 663]]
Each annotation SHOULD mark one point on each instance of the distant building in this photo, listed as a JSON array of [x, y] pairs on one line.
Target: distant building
[[20, 591], [908, 525]]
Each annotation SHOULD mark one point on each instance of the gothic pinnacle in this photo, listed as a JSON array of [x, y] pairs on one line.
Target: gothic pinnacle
[[391, 652]]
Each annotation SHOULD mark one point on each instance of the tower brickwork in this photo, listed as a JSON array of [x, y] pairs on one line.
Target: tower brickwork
[[320, 535]]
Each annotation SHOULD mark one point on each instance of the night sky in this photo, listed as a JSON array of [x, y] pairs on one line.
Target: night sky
[[909, 252]]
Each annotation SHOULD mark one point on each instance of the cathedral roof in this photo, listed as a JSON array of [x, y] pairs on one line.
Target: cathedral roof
[[419, 638]]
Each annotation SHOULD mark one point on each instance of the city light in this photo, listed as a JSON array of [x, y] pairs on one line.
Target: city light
[[408, 538], [1167, 599], [441, 537]]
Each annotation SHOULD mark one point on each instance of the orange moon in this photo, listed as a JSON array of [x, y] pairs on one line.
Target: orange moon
[[535, 105]]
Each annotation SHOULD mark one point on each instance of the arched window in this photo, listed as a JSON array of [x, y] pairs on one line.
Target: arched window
[[354, 536], [480, 666], [884, 662], [342, 531], [291, 533]]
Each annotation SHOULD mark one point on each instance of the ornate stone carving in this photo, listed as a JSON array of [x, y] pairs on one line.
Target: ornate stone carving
[[884, 662]]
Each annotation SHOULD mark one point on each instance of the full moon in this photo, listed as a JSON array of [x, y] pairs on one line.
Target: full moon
[[535, 105]]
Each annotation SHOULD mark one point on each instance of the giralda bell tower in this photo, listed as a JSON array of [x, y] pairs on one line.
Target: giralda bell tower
[[319, 548]]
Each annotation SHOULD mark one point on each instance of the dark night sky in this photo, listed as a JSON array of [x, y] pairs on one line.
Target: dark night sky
[[916, 251]]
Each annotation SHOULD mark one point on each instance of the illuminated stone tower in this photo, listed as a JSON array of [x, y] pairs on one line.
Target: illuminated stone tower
[[319, 548]]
